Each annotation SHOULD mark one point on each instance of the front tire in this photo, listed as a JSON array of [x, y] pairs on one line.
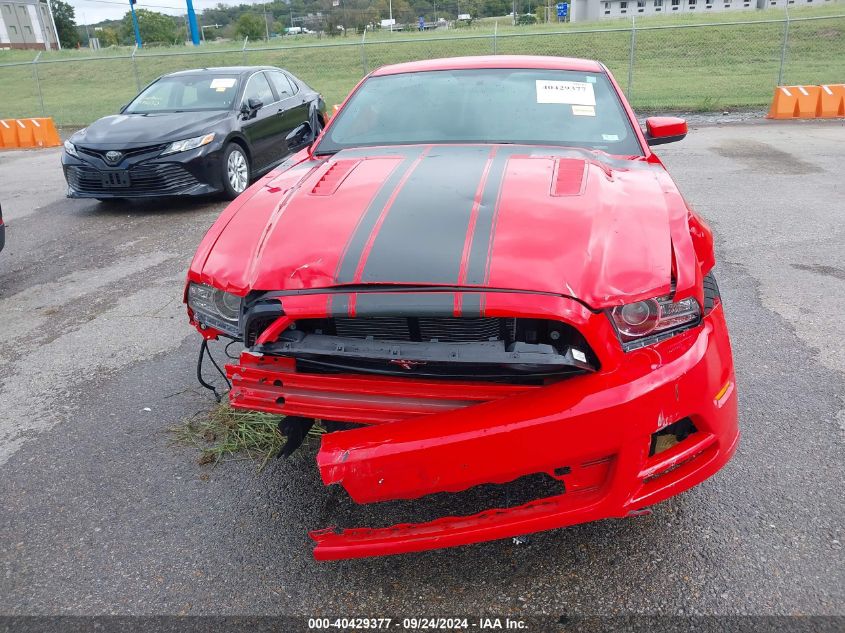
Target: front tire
[[235, 171]]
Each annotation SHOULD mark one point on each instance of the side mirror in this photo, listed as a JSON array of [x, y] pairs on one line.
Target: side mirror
[[664, 129], [251, 106], [299, 135]]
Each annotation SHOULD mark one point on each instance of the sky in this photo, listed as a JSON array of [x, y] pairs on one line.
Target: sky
[[93, 11]]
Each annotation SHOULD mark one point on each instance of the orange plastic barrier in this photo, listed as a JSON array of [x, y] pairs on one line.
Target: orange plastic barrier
[[18, 133], [808, 102], [831, 101]]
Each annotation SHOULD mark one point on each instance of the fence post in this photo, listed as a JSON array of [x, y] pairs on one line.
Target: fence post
[[135, 69], [783, 47], [243, 49], [628, 88], [38, 82], [363, 51], [495, 33]]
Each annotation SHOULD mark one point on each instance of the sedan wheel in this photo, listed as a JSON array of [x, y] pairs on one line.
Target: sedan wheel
[[236, 170]]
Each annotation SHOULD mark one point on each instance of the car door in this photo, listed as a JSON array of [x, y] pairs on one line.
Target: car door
[[262, 128], [293, 108]]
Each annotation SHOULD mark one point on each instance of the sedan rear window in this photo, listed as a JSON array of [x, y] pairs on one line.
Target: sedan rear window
[[187, 93], [500, 105]]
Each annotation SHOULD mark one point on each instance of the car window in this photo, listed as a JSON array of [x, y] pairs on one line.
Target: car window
[[490, 105], [186, 93], [281, 82], [258, 88]]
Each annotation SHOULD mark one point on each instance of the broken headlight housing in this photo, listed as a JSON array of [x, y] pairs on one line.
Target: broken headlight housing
[[215, 308], [70, 148], [652, 320]]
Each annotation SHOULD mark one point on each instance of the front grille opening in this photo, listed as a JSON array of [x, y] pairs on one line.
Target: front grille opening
[[161, 178], [670, 436], [451, 330]]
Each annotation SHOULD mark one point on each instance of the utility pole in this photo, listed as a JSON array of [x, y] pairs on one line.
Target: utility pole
[[192, 21], [53, 20], [391, 16], [135, 24], [87, 32], [266, 26]]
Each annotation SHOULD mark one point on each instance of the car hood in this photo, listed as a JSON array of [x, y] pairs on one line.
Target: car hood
[[128, 130], [568, 222]]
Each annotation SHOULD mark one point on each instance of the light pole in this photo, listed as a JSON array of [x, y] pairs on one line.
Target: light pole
[[391, 16], [208, 26]]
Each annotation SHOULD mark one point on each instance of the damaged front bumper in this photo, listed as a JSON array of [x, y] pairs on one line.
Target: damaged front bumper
[[593, 432]]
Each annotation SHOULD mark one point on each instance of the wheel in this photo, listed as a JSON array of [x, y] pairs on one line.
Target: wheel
[[236, 171]]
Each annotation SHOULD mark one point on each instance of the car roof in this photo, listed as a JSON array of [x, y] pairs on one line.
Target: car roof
[[494, 61], [221, 70]]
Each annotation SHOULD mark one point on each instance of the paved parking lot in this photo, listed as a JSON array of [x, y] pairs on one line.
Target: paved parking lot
[[102, 513]]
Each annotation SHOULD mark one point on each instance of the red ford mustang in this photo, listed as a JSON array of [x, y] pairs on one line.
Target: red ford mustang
[[478, 272]]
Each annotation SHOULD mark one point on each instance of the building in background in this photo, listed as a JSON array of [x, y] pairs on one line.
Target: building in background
[[589, 10], [26, 24]]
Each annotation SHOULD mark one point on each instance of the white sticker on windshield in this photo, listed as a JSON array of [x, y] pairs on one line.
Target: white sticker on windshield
[[221, 83], [583, 110], [570, 92], [610, 137]]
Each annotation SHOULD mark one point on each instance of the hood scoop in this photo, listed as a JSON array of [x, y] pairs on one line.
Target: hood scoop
[[569, 177], [334, 176]]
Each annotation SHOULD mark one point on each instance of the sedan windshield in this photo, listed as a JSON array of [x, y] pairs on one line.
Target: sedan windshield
[[186, 93], [516, 105]]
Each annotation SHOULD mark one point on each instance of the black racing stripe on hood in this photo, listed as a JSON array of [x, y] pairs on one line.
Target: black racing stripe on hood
[[339, 305], [476, 271], [471, 304], [422, 237], [405, 304], [358, 240]]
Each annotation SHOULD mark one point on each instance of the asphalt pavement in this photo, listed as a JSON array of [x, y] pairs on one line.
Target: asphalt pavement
[[103, 514]]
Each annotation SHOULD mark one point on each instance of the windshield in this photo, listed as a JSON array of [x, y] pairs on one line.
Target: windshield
[[187, 93], [517, 105]]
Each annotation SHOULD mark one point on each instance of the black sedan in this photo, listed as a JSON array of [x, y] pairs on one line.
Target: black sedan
[[194, 132]]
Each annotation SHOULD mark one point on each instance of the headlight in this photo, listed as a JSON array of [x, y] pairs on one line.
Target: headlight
[[70, 148], [215, 308], [648, 321], [188, 143]]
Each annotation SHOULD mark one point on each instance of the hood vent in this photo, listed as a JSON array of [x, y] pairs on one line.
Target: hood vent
[[336, 174], [569, 177]]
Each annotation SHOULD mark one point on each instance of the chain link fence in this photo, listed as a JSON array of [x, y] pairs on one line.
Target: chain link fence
[[699, 67]]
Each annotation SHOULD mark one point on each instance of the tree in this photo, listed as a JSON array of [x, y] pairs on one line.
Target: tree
[[250, 25], [65, 21], [107, 36], [155, 28]]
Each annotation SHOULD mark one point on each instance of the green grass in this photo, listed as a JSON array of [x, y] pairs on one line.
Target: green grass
[[225, 433], [705, 68]]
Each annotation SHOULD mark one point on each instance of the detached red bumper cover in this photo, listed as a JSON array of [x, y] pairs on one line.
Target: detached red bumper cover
[[594, 433]]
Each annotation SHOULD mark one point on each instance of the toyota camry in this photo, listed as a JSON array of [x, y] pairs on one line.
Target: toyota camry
[[479, 272], [194, 132]]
